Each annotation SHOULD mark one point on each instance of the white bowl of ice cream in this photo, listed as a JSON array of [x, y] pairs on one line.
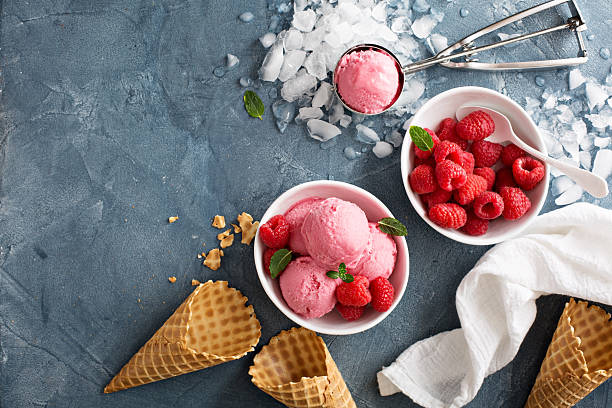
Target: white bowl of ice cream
[[347, 199]]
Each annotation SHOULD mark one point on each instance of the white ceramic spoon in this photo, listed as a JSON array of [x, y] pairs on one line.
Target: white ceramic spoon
[[592, 183]]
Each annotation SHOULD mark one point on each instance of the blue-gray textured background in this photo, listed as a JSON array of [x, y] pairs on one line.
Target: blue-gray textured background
[[111, 121]]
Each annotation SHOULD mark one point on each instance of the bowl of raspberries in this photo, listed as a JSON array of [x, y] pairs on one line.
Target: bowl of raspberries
[[467, 188], [331, 257]]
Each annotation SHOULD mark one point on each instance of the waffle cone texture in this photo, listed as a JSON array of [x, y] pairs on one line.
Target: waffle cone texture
[[212, 326], [296, 369], [578, 360]]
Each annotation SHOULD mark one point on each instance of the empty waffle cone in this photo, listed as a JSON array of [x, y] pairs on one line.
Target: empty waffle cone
[[578, 359], [212, 326], [296, 369]]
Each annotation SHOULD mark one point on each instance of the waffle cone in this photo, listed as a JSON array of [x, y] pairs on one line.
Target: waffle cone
[[578, 359], [212, 326], [296, 369]]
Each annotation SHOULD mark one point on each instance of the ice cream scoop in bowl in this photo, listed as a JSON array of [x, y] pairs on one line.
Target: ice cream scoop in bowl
[[374, 209]]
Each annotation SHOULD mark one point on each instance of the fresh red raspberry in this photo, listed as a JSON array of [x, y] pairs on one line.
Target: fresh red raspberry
[[504, 178], [382, 294], [488, 205], [516, 203], [423, 179], [475, 226], [528, 172], [361, 280], [424, 154], [429, 161], [475, 126], [437, 197], [486, 153], [275, 232], [448, 151], [510, 153], [467, 162], [267, 257], [448, 215], [355, 293], [446, 131], [488, 174], [472, 188], [450, 175], [350, 313]]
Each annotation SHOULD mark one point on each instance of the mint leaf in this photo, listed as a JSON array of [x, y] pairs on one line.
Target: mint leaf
[[279, 262], [421, 138], [347, 277], [342, 268], [333, 274], [253, 104], [392, 226]]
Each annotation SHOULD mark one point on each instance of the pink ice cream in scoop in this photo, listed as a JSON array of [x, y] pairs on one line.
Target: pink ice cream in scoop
[[368, 81], [295, 217], [379, 258], [307, 289], [336, 231]]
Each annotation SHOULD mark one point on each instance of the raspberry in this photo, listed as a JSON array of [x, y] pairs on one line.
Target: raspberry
[[423, 154], [429, 161], [488, 205], [382, 294], [528, 172], [448, 151], [437, 197], [467, 162], [504, 178], [350, 313], [450, 175], [516, 203], [448, 215], [355, 293], [423, 179], [510, 153], [473, 186], [488, 174], [475, 226], [475, 126], [446, 131], [275, 232], [486, 153], [267, 257]]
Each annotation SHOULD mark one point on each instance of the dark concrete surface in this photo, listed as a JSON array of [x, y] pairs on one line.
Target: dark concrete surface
[[110, 122]]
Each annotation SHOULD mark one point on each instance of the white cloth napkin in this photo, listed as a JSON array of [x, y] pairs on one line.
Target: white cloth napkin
[[567, 251]]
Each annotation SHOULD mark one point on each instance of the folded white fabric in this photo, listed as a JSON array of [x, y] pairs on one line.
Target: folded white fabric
[[567, 251]]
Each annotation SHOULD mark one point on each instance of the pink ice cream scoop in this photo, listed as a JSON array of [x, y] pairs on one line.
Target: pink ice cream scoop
[[336, 231], [368, 80], [379, 258], [295, 217], [307, 289]]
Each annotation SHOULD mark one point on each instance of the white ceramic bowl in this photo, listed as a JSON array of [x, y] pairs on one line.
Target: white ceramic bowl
[[333, 323], [445, 105]]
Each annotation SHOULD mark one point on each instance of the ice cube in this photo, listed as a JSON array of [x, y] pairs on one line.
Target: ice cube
[[601, 142], [579, 128], [571, 195], [464, 12], [323, 96], [274, 23], [273, 93], [246, 17], [602, 165], [245, 82], [587, 141], [316, 64], [436, 43], [272, 63], [320, 130], [304, 20], [596, 95], [306, 113], [283, 111], [401, 24], [395, 138], [299, 5], [267, 39], [585, 159], [349, 12], [604, 53], [345, 120], [298, 86], [385, 33], [437, 15], [420, 6], [313, 39], [413, 90], [281, 126], [382, 149], [379, 12], [550, 102], [351, 154], [231, 60], [283, 7], [293, 40], [540, 81], [560, 185], [576, 78], [291, 64], [423, 26], [357, 117], [365, 27], [366, 135], [336, 111]]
